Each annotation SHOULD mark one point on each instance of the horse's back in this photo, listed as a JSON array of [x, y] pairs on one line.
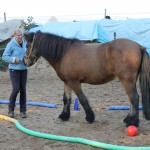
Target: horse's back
[[125, 58], [125, 51], [99, 63], [86, 63]]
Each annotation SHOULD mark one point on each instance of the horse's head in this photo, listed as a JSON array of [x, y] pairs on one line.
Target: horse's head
[[31, 55]]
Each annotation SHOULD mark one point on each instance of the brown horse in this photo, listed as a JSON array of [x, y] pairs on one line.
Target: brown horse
[[76, 62]]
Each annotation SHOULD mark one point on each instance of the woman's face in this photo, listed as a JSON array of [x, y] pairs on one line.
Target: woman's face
[[18, 37]]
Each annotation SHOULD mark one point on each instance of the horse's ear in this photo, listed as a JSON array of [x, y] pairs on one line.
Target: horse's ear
[[28, 36]]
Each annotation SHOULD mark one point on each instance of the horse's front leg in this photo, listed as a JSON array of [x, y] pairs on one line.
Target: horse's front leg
[[76, 87], [65, 115], [90, 117]]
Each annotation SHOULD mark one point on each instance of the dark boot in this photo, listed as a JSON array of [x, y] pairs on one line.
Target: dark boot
[[11, 114], [23, 114]]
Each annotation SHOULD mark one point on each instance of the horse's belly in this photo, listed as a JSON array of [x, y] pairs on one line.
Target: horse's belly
[[98, 79]]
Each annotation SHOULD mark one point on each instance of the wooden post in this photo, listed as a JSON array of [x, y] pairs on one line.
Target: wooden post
[[114, 35], [105, 13], [4, 17]]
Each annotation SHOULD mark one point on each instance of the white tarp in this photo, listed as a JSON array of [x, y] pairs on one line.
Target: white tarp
[[7, 28]]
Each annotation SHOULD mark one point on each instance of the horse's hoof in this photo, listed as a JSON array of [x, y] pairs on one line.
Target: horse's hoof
[[131, 121], [64, 116], [90, 117]]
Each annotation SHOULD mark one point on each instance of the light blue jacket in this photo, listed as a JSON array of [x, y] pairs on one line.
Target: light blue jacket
[[12, 51]]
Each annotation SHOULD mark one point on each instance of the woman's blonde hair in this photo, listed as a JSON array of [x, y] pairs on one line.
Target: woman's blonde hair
[[18, 30]]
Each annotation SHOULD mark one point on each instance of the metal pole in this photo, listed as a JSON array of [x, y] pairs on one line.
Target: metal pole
[[4, 17], [105, 13]]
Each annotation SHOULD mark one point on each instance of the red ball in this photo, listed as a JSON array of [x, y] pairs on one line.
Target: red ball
[[132, 130]]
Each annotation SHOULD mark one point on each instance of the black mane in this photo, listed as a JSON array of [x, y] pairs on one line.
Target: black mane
[[52, 47]]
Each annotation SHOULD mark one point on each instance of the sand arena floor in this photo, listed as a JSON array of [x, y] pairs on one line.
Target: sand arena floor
[[44, 86]]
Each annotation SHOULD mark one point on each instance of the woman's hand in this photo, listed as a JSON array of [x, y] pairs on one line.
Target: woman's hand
[[17, 61]]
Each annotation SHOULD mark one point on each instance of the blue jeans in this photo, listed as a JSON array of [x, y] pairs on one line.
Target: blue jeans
[[18, 79]]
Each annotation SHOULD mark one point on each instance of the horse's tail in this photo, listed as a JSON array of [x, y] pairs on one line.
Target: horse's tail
[[144, 80]]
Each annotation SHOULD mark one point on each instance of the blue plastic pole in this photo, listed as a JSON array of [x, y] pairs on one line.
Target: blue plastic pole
[[32, 103], [121, 107]]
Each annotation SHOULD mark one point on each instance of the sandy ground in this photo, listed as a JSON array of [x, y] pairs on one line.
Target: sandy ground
[[44, 86]]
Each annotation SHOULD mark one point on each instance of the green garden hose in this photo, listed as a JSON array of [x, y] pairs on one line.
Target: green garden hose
[[70, 139]]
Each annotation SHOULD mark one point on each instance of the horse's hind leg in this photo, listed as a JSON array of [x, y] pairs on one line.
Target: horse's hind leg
[[133, 115], [65, 115]]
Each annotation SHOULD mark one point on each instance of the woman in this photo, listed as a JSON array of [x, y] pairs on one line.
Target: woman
[[14, 54]]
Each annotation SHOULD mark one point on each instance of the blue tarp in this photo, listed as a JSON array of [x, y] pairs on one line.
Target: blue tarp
[[83, 30], [102, 30], [137, 30]]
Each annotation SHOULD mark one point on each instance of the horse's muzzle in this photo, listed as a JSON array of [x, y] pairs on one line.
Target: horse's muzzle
[[27, 62]]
